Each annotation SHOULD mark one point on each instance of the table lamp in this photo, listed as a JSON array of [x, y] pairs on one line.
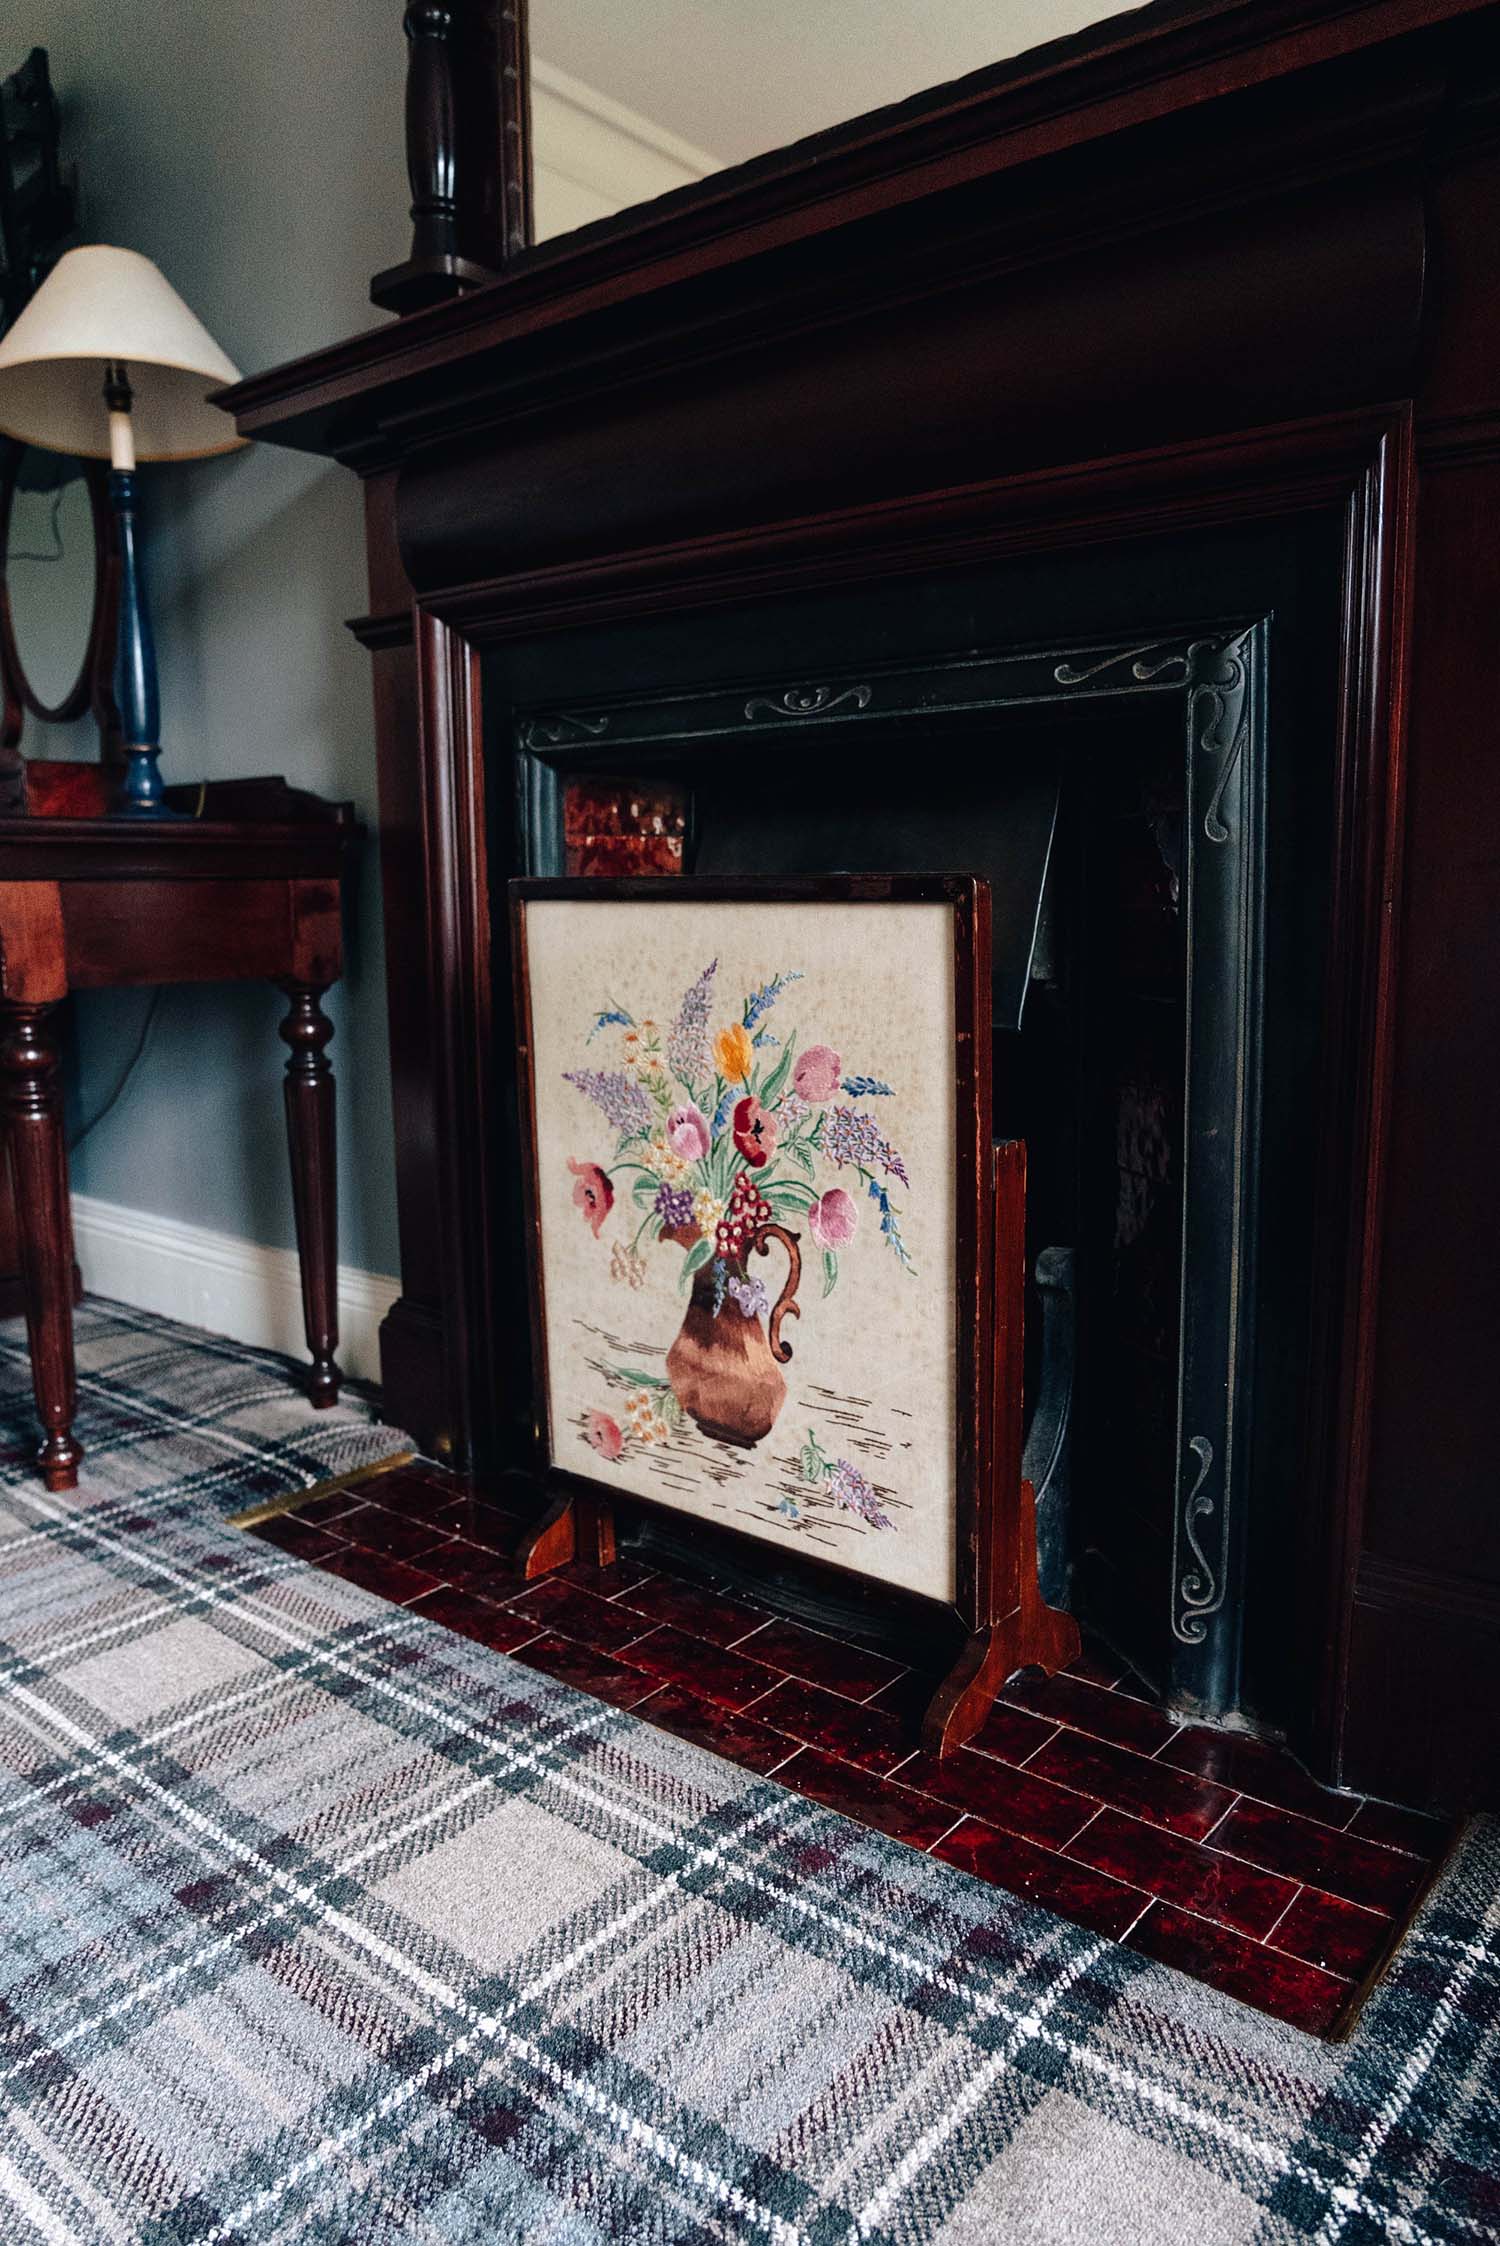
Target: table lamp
[[107, 361]]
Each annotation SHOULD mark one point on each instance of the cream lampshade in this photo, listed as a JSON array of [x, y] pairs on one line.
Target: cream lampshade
[[107, 361]]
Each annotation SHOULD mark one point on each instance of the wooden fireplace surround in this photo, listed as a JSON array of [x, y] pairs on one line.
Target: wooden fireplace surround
[[1204, 266]]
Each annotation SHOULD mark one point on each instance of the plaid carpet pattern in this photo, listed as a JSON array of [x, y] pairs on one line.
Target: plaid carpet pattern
[[320, 1923], [164, 1408]]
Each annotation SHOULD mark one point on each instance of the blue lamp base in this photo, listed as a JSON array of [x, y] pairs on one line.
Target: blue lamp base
[[141, 794]]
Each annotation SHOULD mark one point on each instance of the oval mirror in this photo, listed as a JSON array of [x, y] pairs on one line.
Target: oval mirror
[[51, 563]]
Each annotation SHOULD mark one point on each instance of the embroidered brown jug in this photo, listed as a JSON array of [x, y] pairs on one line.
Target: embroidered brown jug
[[724, 1368]]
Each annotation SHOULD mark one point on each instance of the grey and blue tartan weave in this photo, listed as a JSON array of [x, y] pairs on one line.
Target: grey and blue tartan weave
[[321, 1924]]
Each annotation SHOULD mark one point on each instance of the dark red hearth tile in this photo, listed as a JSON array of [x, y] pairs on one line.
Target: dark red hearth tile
[[1185, 1872], [419, 1496], [1401, 1828], [915, 1818], [396, 1580], [706, 1614], [1282, 1986], [1084, 1707], [740, 1739], [483, 1524], [578, 1614], [1254, 1766], [1072, 1890], [393, 1533], [1012, 1799], [608, 1583], [709, 1672], [301, 1538], [822, 1660], [477, 1568], [580, 1666], [323, 1511], [1010, 1734], [496, 1627], [1097, 1664], [1125, 1781], [874, 1738], [1341, 1937], [1358, 1870]]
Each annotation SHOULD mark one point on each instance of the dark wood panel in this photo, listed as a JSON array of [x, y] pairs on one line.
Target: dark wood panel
[[1433, 1474], [1423, 1717], [122, 932]]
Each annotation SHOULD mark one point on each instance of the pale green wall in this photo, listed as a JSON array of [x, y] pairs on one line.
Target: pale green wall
[[255, 153]]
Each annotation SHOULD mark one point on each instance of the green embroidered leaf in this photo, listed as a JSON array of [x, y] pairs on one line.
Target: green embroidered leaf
[[645, 1191], [696, 1257], [800, 1154], [771, 1089], [830, 1272]]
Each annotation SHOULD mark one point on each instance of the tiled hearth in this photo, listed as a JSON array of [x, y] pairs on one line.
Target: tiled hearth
[[1207, 1851]]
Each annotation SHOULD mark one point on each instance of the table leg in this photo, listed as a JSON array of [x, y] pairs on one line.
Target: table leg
[[309, 1129], [32, 1100]]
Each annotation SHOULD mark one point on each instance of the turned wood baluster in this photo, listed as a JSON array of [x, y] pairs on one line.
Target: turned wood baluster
[[306, 1030], [39, 1163], [468, 153]]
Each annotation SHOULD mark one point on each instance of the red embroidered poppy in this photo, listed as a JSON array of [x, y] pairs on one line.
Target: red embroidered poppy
[[754, 1131], [593, 1194]]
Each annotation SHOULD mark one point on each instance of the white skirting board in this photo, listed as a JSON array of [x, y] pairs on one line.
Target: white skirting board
[[225, 1285]]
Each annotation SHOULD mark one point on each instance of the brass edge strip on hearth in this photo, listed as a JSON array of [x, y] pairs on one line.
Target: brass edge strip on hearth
[[253, 1515]]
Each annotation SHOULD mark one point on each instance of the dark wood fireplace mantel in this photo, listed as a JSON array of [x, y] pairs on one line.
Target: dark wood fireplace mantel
[[1201, 273]]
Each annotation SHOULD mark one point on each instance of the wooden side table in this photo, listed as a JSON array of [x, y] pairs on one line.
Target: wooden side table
[[249, 888]]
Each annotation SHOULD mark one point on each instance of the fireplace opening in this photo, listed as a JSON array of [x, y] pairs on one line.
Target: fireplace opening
[[1158, 854]]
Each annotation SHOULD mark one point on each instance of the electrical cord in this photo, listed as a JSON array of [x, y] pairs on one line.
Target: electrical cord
[[147, 1025]]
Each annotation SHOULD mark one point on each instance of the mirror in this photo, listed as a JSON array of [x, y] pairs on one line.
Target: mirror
[[52, 548], [628, 103]]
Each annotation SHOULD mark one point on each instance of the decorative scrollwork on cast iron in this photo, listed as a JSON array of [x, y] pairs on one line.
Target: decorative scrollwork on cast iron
[[1068, 674], [1200, 1591], [808, 701], [559, 730], [1220, 677]]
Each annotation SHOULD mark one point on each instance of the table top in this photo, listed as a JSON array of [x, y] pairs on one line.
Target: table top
[[233, 829]]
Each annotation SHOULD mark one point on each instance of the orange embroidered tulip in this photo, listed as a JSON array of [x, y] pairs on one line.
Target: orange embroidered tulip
[[734, 1055]]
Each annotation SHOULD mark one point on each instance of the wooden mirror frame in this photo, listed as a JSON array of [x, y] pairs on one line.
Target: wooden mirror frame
[[92, 688]]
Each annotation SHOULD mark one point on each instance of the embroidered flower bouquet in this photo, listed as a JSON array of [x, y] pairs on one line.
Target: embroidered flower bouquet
[[724, 1140]]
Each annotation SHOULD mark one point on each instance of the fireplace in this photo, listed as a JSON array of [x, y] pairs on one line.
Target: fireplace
[[1046, 468]]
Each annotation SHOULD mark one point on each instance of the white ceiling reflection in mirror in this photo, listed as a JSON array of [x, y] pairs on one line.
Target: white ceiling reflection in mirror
[[631, 101]]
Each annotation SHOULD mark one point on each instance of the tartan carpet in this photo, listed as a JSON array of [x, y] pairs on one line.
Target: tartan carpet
[[164, 1408], [320, 1923]]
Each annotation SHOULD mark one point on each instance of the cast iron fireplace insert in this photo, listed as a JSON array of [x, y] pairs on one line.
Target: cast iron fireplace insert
[[1149, 802]]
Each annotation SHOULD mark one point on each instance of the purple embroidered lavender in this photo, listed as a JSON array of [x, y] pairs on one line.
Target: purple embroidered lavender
[[855, 1494], [623, 1101], [687, 1046], [849, 1136], [674, 1205]]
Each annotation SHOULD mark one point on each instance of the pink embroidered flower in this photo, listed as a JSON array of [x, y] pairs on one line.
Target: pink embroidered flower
[[604, 1435], [687, 1134], [754, 1131], [593, 1194], [832, 1220], [817, 1073]]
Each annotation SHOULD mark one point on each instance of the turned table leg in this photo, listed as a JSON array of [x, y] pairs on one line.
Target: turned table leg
[[309, 1129], [32, 1101]]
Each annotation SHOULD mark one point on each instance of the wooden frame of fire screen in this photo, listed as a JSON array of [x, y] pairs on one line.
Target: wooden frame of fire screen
[[991, 1553]]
